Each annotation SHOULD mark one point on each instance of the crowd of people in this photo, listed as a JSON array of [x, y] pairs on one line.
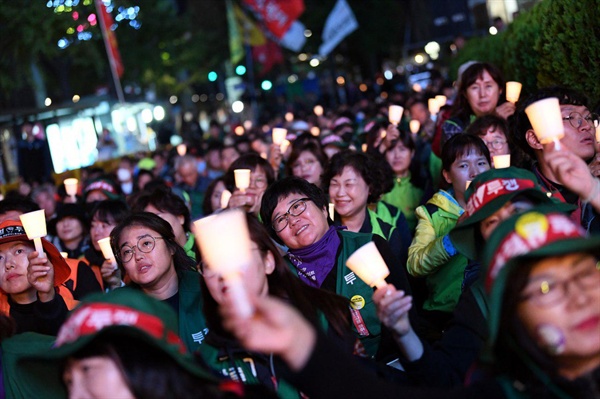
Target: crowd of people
[[494, 283]]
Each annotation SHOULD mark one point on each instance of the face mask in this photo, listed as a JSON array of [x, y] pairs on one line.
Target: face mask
[[123, 174]]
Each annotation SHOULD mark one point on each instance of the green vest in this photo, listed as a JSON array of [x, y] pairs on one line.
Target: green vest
[[192, 325], [406, 198], [444, 285]]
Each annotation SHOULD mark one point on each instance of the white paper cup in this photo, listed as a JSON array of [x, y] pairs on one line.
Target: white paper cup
[[318, 110], [441, 100], [279, 135], [181, 149], [34, 224], [367, 263], [395, 114], [242, 178], [414, 126], [106, 249], [546, 120], [501, 161], [71, 186], [433, 105], [331, 211], [513, 91]]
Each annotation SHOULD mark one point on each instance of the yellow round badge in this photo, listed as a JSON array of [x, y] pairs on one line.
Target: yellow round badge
[[357, 302]]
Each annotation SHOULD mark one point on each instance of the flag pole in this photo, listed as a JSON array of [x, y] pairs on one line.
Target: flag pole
[[111, 62]]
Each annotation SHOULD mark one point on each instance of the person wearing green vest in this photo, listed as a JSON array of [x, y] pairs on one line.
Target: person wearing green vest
[[431, 254], [355, 180], [146, 249], [295, 213], [268, 274], [163, 202]]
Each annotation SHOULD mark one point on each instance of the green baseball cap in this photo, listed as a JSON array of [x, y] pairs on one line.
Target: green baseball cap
[[489, 192], [126, 312], [534, 234]]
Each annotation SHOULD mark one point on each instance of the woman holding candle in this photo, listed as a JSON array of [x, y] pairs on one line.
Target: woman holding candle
[[479, 92], [431, 254], [355, 180], [145, 247], [295, 212], [105, 216], [261, 176], [267, 274]]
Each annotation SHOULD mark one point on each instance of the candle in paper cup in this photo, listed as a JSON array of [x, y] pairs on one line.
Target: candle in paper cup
[[395, 114], [501, 161], [315, 131], [318, 110], [331, 211], [285, 145], [65, 255], [366, 262], [441, 100], [598, 133], [107, 252], [414, 126], [225, 196], [224, 242], [468, 183], [279, 135], [71, 186], [513, 91], [433, 105], [34, 224], [181, 149], [242, 179], [546, 120], [289, 117], [363, 147]]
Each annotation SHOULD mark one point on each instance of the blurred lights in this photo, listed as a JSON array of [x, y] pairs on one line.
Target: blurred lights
[[340, 80], [362, 87], [419, 59], [307, 33], [195, 98], [188, 116], [302, 57], [76, 98], [159, 113], [292, 79], [203, 98], [237, 107], [379, 81], [239, 130], [388, 75], [417, 88], [48, 101], [147, 116], [131, 124], [266, 85], [240, 70], [314, 62], [173, 99], [315, 131], [384, 94], [248, 124], [289, 116], [219, 96], [493, 30], [212, 76]]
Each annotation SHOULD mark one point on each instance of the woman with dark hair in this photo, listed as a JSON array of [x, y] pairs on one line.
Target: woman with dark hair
[[268, 274], [212, 198], [295, 212], [261, 176], [481, 86], [412, 183], [307, 162], [146, 249], [431, 254], [105, 216], [163, 202], [354, 181]]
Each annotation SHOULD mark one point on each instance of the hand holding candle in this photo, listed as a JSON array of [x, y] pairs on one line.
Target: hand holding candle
[[513, 91], [242, 179], [107, 251], [546, 120], [34, 224], [367, 263], [224, 242]]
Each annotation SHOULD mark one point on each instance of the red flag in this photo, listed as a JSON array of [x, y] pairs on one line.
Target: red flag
[[267, 55], [110, 39], [277, 15]]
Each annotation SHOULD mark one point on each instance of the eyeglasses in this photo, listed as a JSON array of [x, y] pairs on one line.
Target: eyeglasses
[[145, 244], [496, 144], [551, 292], [296, 209], [576, 119], [308, 163], [259, 182]]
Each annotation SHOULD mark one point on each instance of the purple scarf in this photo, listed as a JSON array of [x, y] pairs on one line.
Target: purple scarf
[[315, 261]]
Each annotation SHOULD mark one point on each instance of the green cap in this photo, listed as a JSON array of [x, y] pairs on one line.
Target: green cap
[[489, 192], [125, 312], [534, 234]]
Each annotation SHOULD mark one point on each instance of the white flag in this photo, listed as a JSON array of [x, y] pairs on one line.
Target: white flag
[[294, 38], [340, 23]]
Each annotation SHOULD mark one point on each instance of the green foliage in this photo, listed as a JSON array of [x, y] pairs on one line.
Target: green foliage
[[557, 42]]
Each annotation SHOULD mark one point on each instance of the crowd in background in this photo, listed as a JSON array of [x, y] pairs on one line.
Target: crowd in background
[[494, 284]]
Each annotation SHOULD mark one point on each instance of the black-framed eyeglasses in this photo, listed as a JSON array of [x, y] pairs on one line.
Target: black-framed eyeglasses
[[496, 144], [576, 119], [296, 209], [144, 244], [550, 292]]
